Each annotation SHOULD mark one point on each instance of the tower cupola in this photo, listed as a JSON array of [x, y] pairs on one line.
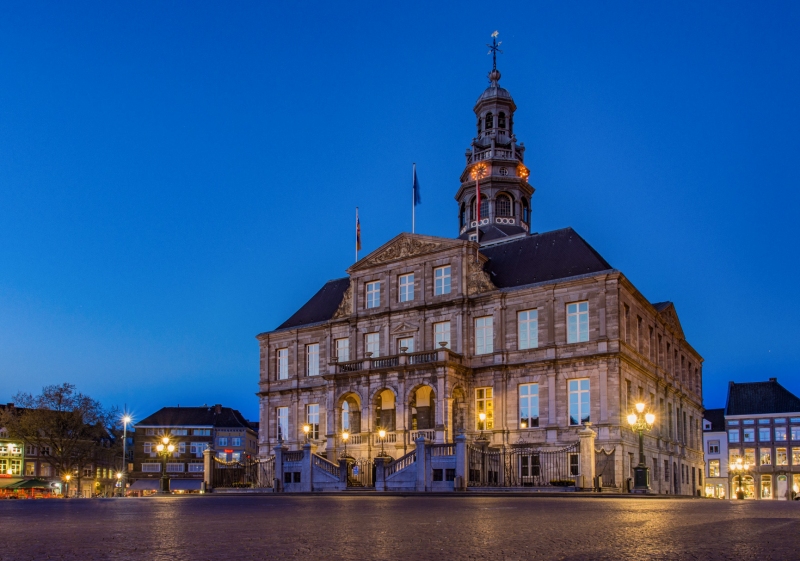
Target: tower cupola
[[496, 161]]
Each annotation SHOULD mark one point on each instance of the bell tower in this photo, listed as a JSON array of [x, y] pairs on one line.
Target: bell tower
[[496, 163]]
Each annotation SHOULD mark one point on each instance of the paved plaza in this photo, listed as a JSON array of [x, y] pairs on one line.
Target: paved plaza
[[410, 528]]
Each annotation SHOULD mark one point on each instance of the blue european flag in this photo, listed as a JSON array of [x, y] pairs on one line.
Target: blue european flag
[[417, 197]]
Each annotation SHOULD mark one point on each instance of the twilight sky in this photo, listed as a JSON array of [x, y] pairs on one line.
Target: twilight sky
[[177, 179]]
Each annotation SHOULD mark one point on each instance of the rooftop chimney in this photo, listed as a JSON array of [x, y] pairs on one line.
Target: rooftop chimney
[[773, 379], [218, 409]]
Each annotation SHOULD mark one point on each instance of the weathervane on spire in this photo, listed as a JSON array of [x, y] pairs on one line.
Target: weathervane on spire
[[494, 48]]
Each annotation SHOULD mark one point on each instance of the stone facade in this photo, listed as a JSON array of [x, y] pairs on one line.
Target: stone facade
[[397, 376]]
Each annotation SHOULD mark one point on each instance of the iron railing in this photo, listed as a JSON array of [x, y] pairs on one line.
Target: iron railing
[[247, 473], [523, 466]]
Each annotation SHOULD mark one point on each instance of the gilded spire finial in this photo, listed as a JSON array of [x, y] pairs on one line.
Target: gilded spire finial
[[494, 48]]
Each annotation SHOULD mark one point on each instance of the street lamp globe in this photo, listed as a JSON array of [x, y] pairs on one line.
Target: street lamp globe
[[650, 418], [382, 433], [345, 436], [126, 419], [165, 440], [640, 407], [170, 448], [632, 419], [160, 447]]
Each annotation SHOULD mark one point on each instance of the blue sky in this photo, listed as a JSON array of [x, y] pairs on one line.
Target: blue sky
[[175, 179]]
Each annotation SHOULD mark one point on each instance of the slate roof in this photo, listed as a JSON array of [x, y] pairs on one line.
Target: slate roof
[[518, 262], [760, 398], [322, 305], [661, 306], [196, 416], [717, 419], [542, 257]]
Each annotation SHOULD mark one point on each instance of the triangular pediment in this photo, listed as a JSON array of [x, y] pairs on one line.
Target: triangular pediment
[[405, 327], [405, 246], [667, 312]]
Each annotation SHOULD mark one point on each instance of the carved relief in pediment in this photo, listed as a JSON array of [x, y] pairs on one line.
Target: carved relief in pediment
[[670, 317], [346, 306], [402, 249], [477, 279]]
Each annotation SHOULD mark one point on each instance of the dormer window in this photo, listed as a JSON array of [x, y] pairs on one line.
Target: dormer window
[[489, 121], [501, 120]]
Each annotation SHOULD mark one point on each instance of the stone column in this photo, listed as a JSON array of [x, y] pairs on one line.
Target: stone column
[[380, 473], [208, 466], [461, 462], [423, 462], [279, 450], [587, 459]]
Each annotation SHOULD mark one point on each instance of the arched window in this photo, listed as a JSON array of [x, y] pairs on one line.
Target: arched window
[[479, 124], [501, 120], [345, 416], [503, 203], [462, 216], [489, 121], [526, 212], [484, 208]]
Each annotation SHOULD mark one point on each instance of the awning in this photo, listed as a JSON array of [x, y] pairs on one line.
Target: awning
[[6, 483], [32, 484], [145, 485], [185, 484]]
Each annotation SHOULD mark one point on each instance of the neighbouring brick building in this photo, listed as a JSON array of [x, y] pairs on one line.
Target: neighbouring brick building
[[191, 430], [535, 331]]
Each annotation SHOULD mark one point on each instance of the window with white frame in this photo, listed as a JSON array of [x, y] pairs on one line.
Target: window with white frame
[[201, 432], [578, 401], [312, 418], [282, 414], [441, 280], [484, 335], [406, 292], [749, 435], [236, 441], [197, 448], [764, 434], [148, 447], [312, 359], [578, 322], [574, 464], [781, 457], [407, 343], [196, 467], [283, 364], [795, 432], [528, 329], [222, 441], [528, 406], [484, 403], [373, 343], [343, 349], [373, 294], [780, 434], [441, 334], [765, 456], [733, 435], [713, 446], [181, 447], [151, 467]]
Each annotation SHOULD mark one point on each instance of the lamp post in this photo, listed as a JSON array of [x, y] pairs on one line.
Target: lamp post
[[165, 448], [345, 437], [382, 436], [482, 418], [67, 477], [306, 429], [119, 482], [739, 468], [125, 420], [641, 422]]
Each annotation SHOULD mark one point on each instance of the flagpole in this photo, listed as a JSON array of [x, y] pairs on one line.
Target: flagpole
[[477, 213], [357, 234], [413, 196]]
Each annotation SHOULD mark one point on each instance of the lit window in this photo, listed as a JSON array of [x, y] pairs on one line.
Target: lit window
[[283, 364], [749, 435], [528, 329], [407, 343], [373, 343], [796, 456], [733, 456], [373, 294], [750, 456], [282, 414], [441, 334], [780, 433], [312, 359], [407, 288], [484, 403], [312, 418], [713, 468], [441, 280], [528, 406], [763, 434], [578, 322], [765, 456], [343, 349], [781, 457], [795, 433], [484, 335], [579, 401]]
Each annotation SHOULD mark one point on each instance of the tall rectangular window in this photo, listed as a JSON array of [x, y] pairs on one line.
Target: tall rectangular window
[[373, 343], [406, 287], [406, 343], [780, 434], [528, 406], [484, 403], [283, 364], [312, 359], [283, 422], [713, 446], [579, 401], [441, 334], [796, 456], [764, 434], [528, 329], [749, 435], [578, 322], [781, 457], [312, 418], [795, 433], [713, 468], [484, 335], [373, 294], [765, 456], [343, 349], [441, 280]]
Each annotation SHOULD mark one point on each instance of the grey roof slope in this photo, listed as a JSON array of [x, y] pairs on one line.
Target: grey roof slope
[[542, 257], [717, 419], [196, 416], [758, 398], [322, 305], [661, 306], [536, 258]]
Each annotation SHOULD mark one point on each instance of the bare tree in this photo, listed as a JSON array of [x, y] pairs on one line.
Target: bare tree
[[70, 429]]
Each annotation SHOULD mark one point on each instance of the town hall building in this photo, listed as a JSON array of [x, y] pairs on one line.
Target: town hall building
[[499, 333]]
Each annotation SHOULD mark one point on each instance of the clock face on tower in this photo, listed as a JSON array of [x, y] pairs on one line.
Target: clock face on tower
[[523, 172]]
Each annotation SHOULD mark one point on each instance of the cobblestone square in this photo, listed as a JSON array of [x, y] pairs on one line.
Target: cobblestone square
[[495, 528]]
